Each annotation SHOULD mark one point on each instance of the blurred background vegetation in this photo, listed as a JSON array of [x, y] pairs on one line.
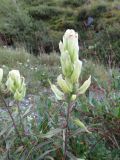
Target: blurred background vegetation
[[38, 26]]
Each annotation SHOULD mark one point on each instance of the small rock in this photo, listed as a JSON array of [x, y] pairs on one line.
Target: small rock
[[90, 21]]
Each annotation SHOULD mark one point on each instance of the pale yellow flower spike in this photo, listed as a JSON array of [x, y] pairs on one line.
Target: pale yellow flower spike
[[71, 68], [16, 85]]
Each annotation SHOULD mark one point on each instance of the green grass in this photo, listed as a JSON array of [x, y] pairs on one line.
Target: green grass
[[101, 117], [41, 24], [11, 57], [36, 70]]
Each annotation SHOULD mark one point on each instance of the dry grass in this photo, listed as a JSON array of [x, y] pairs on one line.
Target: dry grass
[[51, 59], [10, 57]]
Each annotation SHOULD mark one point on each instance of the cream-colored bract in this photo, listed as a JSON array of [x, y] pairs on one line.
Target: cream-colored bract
[[16, 85], [85, 86], [59, 95], [77, 71], [68, 81], [63, 84], [73, 97]]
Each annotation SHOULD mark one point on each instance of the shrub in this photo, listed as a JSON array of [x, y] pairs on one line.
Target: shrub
[[94, 11], [97, 10], [44, 12], [82, 15], [10, 57], [50, 60], [108, 47], [74, 3]]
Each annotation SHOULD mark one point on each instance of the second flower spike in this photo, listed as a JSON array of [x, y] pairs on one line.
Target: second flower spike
[[16, 85]]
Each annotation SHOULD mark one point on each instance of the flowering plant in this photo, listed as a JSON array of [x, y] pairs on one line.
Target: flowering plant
[[68, 82], [16, 85]]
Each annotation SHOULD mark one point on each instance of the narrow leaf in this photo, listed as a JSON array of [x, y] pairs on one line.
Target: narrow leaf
[[51, 133], [80, 124]]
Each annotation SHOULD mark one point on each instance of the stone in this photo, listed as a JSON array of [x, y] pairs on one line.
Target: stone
[[90, 21]]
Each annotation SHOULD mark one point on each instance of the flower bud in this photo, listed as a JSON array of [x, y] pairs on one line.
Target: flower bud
[[81, 124], [10, 85], [59, 95], [20, 92], [70, 43], [85, 86], [76, 72], [63, 84], [61, 47], [66, 64], [16, 85], [18, 96], [14, 80], [73, 97]]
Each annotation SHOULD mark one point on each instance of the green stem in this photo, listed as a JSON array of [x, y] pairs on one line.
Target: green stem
[[66, 130], [14, 124], [19, 113]]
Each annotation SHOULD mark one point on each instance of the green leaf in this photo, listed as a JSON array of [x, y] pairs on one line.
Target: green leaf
[[85, 86], [72, 157], [80, 124], [45, 153], [51, 133]]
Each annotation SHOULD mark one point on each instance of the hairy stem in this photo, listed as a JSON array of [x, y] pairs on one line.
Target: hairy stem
[[66, 130], [19, 113], [14, 125]]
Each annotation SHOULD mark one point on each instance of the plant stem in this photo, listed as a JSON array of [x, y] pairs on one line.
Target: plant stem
[[66, 130], [14, 125], [19, 112]]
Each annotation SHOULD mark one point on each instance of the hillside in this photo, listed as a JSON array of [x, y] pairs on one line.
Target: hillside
[[39, 25]]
